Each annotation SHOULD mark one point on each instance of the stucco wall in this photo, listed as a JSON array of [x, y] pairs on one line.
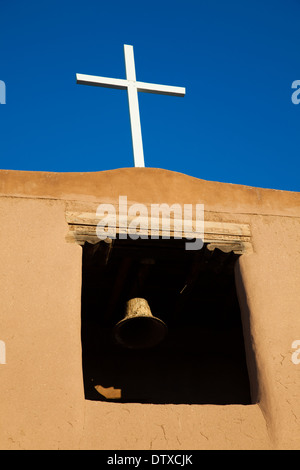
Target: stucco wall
[[271, 283], [41, 385], [42, 403]]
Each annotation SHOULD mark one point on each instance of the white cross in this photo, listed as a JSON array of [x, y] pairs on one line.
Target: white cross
[[132, 86]]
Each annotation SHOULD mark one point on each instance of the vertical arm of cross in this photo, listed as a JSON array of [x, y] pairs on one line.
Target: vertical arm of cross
[[134, 111]]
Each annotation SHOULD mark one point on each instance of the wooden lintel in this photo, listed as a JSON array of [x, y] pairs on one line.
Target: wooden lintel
[[226, 236]]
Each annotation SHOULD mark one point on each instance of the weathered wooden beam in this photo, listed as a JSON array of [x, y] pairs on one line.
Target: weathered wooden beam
[[226, 236]]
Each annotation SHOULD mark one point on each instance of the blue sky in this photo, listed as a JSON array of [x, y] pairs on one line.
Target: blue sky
[[237, 60]]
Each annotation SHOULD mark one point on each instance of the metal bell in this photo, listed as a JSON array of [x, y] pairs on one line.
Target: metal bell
[[139, 329]]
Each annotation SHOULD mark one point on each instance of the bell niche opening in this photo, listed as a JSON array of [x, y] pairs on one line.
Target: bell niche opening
[[161, 324]]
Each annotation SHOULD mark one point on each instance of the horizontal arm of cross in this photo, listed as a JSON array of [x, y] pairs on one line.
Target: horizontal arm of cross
[[101, 81], [121, 84], [160, 89]]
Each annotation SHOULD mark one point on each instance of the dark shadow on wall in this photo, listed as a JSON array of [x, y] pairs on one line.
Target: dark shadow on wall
[[248, 339]]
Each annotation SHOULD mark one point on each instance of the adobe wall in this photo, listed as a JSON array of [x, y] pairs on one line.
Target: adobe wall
[[42, 403]]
